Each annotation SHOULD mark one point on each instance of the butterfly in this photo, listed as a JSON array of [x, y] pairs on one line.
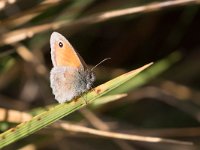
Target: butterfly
[[70, 76]]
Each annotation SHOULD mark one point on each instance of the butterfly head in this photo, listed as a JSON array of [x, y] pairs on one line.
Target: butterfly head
[[90, 78]]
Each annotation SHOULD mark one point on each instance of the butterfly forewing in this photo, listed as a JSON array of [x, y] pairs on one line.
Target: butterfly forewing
[[62, 52]]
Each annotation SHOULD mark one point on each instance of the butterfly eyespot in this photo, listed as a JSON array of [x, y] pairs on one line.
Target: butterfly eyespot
[[60, 44]]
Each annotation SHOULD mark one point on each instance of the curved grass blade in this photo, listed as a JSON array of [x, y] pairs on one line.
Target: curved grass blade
[[107, 99], [46, 118]]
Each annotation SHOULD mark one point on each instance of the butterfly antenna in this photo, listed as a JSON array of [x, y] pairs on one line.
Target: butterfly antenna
[[100, 63]]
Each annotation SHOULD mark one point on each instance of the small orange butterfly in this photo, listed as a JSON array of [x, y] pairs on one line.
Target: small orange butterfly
[[70, 75]]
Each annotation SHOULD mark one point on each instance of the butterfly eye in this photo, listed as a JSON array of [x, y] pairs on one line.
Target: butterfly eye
[[91, 76], [60, 44]]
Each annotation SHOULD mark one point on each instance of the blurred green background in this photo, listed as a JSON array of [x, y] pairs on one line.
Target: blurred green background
[[142, 32]]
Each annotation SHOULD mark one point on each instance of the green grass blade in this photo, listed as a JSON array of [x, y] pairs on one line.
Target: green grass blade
[[106, 99], [97, 103], [46, 118]]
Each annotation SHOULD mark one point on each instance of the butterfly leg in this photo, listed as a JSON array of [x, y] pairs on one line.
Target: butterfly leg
[[85, 99]]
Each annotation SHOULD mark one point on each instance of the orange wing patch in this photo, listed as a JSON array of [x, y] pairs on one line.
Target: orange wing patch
[[66, 56]]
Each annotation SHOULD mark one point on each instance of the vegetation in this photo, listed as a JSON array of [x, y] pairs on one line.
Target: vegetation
[[151, 108]]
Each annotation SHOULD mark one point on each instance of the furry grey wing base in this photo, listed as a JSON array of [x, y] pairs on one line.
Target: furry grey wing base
[[69, 82], [63, 82]]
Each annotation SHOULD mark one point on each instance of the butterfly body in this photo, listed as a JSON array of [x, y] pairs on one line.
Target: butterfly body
[[69, 76]]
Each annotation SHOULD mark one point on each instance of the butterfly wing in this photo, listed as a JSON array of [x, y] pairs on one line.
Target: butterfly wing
[[63, 83], [63, 54], [69, 77]]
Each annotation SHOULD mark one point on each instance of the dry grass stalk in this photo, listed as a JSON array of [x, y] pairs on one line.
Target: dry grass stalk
[[21, 34], [115, 135]]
